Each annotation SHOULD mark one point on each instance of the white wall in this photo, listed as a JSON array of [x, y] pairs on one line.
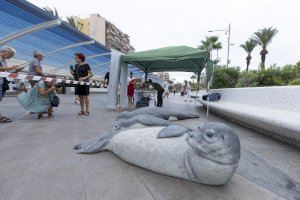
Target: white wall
[[97, 28]]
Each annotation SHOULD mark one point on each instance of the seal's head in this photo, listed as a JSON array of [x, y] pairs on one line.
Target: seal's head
[[216, 142]]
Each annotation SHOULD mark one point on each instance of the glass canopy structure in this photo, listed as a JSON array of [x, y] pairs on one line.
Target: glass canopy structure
[[28, 28]]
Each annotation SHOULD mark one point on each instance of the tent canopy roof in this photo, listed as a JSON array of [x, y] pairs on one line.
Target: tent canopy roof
[[173, 58]]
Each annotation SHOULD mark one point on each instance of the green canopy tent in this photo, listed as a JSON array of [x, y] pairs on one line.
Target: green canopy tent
[[173, 58]]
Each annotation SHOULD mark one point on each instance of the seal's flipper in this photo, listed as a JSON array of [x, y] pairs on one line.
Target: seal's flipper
[[93, 145], [150, 120], [172, 131], [182, 116]]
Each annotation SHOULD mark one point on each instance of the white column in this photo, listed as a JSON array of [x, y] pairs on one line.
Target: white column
[[114, 79], [123, 88]]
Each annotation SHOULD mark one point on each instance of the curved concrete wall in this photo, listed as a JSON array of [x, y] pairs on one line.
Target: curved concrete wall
[[272, 110]]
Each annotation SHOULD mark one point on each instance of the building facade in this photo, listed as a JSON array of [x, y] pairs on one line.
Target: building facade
[[103, 31]]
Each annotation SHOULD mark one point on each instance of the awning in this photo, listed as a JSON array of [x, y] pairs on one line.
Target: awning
[[173, 58]]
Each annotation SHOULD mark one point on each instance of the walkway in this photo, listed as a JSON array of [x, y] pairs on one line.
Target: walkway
[[37, 161]]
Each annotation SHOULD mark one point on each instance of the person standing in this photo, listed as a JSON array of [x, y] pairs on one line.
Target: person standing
[[106, 80], [188, 93], [82, 72], [130, 88], [160, 91], [35, 67], [137, 88], [166, 89], [6, 52]]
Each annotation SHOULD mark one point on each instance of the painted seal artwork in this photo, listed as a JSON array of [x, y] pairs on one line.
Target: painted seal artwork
[[157, 112], [208, 155]]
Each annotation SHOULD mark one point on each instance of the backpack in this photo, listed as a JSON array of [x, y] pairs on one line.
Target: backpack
[[212, 97]]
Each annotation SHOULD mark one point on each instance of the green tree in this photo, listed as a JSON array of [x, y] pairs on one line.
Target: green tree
[[75, 24], [193, 77], [224, 77], [248, 46], [263, 38], [71, 21], [211, 43]]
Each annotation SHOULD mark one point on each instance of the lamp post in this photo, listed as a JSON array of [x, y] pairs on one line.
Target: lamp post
[[228, 40]]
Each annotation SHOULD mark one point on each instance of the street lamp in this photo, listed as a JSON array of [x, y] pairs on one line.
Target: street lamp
[[228, 40]]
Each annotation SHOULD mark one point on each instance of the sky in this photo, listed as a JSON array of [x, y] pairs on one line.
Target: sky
[[159, 23]]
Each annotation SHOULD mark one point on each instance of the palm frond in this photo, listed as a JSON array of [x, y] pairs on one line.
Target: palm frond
[[71, 21], [249, 45], [265, 36], [54, 12], [210, 43]]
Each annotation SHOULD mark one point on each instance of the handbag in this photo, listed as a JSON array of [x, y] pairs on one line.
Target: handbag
[[5, 84], [55, 102]]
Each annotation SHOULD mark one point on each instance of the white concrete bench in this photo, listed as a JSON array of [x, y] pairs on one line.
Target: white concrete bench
[[272, 110]]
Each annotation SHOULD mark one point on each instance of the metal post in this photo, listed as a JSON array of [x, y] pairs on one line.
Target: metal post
[[146, 76], [228, 46], [69, 47], [30, 30], [91, 56], [207, 105], [25, 64]]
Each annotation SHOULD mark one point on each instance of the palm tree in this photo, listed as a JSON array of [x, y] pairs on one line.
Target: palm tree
[[248, 46], [218, 46], [263, 38], [52, 12], [211, 43], [71, 21], [193, 77]]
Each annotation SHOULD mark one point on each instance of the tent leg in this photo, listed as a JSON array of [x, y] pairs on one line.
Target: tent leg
[[123, 88], [114, 79], [146, 77], [198, 86], [207, 107]]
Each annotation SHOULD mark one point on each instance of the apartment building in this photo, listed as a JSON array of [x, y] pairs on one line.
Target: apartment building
[[103, 31]]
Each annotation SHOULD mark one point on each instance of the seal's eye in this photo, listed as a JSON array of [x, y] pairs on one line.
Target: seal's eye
[[116, 126], [223, 137], [209, 133]]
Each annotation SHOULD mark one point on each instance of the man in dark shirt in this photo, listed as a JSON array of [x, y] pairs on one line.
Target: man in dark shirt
[[160, 92]]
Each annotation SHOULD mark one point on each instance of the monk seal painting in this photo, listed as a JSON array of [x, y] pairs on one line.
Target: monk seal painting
[[208, 155]]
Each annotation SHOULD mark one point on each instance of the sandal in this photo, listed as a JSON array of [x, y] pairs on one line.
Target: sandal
[[81, 113], [50, 115], [87, 113], [5, 120], [40, 115]]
